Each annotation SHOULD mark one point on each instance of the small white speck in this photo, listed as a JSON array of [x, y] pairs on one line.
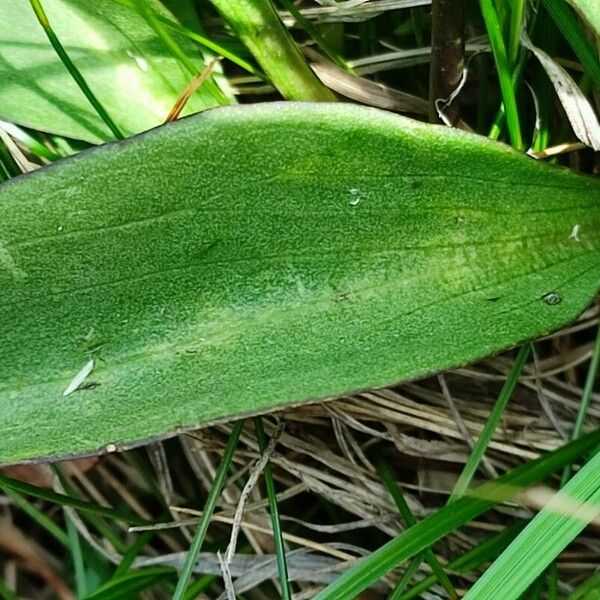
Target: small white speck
[[79, 378], [575, 233], [354, 196], [139, 61], [111, 448], [59, 228]]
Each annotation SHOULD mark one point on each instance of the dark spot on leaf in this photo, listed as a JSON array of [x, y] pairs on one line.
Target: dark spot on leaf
[[88, 385], [494, 299], [343, 297]]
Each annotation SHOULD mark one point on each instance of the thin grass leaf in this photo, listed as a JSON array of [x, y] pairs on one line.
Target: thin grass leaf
[[130, 584], [199, 586], [274, 510], [132, 553], [209, 507], [72, 69], [549, 533], [579, 110], [38, 516], [505, 74], [588, 590], [485, 437], [386, 475], [590, 10], [7, 483], [204, 41], [76, 557], [473, 559], [429, 530], [408, 574]]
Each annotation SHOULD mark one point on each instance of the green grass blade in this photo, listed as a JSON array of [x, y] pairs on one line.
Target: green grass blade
[[130, 584], [7, 483], [588, 590], [386, 475], [199, 586], [73, 70], [315, 34], [404, 581], [549, 533], [200, 39], [427, 531], [132, 553], [76, 557], [571, 29], [209, 508], [491, 425], [274, 510], [38, 516], [473, 559], [505, 74]]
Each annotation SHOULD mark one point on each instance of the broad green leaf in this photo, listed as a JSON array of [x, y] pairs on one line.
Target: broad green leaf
[[590, 10], [129, 69], [544, 538], [260, 256]]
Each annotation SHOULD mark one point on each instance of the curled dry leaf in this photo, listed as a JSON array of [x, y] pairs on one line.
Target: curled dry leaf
[[579, 111]]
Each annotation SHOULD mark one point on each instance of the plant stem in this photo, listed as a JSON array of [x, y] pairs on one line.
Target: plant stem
[[447, 55], [260, 28]]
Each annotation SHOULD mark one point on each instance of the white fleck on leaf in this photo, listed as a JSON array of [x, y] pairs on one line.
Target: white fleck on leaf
[[79, 378], [579, 111]]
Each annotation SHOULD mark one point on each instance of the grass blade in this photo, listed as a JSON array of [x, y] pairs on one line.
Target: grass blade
[[130, 584], [386, 475], [477, 556], [209, 508], [505, 75], [274, 510], [549, 533], [491, 425], [427, 531], [73, 70], [7, 483]]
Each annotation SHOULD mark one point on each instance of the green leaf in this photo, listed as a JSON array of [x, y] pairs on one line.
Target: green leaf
[[590, 10], [130, 71], [259, 256], [549, 533]]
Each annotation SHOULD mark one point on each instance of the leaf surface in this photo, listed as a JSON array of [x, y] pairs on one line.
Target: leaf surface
[[254, 257], [590, 9], [129, 69]]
